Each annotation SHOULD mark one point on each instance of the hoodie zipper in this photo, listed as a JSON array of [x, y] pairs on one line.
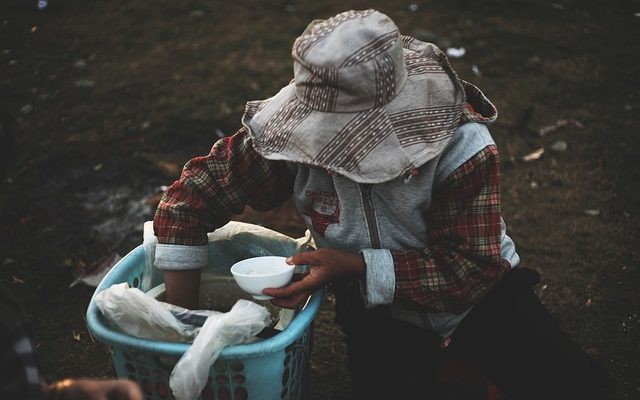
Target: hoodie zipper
[[370, 215]]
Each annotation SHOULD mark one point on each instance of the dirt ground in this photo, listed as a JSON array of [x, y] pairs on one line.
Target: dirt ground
[[108, 99]]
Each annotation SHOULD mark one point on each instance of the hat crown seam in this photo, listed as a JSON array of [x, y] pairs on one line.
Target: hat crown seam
[[357, 77]]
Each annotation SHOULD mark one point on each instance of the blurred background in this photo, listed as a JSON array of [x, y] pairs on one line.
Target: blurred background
[[102, 102]]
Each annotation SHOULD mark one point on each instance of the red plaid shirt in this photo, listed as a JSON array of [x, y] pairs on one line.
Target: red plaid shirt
[[213, 188], [455, 271]]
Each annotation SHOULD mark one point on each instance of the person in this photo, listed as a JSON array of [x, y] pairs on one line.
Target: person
[[387, 155], [20, 377]]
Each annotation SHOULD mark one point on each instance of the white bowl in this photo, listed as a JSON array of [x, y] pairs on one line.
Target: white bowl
[[257, 273]]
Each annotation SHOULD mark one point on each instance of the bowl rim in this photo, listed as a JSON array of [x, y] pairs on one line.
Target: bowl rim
[[288, 269]]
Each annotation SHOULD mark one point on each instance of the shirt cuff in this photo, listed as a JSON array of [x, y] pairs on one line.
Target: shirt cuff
[[380, 283], [181, 257]]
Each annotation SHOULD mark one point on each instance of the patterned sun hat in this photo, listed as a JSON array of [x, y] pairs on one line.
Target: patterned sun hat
[[365, 102]]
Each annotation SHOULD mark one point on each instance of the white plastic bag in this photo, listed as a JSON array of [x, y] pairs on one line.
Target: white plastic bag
[[139, 315], [151, 276], [245, 320]]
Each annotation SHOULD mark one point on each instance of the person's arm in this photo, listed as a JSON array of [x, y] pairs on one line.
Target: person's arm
[[463, 258], [210, 190], [92, 389], [182, 287]]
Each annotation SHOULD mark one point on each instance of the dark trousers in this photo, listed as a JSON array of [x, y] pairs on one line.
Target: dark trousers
[[509, 336]]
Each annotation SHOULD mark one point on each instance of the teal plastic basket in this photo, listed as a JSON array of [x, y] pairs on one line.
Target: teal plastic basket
[[274, 368]]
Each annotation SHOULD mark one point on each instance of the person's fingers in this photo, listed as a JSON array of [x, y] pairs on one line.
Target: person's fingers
[[283, 303], [125, 390], [298, 277], [301, 258], [293, 302], [95, 389], [287, 291]]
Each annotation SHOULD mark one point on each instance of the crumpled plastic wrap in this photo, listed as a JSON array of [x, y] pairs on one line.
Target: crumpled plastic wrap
[[136, 314], [245, 320]]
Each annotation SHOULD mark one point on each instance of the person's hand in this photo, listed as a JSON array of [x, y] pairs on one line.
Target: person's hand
[[93, 389], [325, 266]]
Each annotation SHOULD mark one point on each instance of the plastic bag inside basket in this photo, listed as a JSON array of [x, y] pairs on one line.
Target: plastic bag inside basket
[[139, 315]]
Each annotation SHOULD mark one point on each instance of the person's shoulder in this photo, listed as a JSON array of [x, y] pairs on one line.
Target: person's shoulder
[[468, 139], [473, 132]]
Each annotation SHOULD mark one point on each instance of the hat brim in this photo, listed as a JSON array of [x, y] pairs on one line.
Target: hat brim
[[371, 146]]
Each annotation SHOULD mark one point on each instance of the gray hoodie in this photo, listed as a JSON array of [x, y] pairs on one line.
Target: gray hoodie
[[376, 219]]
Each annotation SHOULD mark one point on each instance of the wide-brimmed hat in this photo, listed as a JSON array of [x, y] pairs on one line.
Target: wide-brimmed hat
[[365, 102]]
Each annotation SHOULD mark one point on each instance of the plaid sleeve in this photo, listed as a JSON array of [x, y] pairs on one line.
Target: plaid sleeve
[[462, 260], [212, 188]]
